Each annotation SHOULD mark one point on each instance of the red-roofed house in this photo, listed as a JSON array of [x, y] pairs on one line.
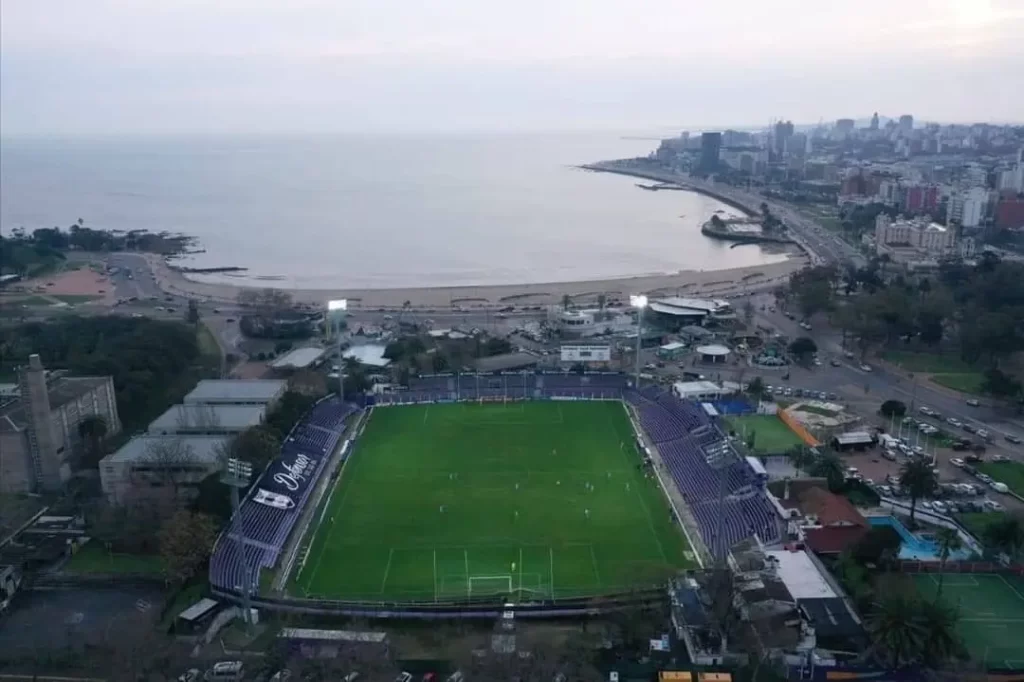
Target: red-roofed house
[[830, 522]]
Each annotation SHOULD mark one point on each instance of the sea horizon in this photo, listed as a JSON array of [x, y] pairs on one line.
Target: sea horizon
[[370, 211]]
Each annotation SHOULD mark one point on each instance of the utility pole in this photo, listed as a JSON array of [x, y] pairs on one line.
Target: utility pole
[[639, 302], [236, 476]]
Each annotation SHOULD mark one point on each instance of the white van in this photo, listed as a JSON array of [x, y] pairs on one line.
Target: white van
[[999, 487]]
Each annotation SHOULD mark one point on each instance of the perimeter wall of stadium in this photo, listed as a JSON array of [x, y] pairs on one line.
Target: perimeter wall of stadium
[[443, 388]]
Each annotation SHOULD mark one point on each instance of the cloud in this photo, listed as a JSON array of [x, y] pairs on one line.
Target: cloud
[[121, 65]]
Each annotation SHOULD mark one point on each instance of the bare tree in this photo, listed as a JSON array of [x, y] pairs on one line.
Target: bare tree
[[170, 463]]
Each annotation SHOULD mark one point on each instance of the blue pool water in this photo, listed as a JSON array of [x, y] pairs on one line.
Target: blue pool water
[[916, 547]]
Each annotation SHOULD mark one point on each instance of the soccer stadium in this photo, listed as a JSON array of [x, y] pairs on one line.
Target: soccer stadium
[[560, 493]]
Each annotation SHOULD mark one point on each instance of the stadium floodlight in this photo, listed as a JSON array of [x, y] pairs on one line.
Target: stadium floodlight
[[336, 308], [236, 475], [638, 301]]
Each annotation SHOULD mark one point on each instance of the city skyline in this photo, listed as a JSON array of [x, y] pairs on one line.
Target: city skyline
[[257, 67]]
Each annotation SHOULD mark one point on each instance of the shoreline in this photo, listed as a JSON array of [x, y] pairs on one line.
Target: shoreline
[[683, 283]]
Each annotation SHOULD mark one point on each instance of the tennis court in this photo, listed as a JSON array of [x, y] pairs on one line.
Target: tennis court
[[991, 614]]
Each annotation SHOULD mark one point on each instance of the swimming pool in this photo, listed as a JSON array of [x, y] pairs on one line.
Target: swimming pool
[[919, 547]]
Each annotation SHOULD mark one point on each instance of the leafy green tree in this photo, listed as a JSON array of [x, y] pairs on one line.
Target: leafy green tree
[[893, 408], [878, 545], [802, 348], [186, 540], [801, 457], [1006, 535], [942, 642], [192, 312], [756, 387], [918, 479], [257, 445]]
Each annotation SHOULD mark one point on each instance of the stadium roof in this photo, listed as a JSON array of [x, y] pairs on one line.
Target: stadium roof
[[676, 305], [300, 358], [496, 363], [688, 388], [198, 416], [206, 449], [228, 390], [371, 354], [714, 349]]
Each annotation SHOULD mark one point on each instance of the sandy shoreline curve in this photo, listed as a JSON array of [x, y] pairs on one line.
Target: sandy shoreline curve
[[683, 283]]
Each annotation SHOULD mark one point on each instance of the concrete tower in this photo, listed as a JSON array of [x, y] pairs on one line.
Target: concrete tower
[[41, 443]]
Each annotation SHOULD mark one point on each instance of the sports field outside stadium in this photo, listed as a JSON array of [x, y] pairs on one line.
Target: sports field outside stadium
[[447, 502], [770, 434]]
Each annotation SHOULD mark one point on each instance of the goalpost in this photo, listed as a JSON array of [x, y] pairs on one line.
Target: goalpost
[[490, 584]]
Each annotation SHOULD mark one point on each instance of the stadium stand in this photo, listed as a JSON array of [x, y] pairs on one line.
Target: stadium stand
[[507, 385], [267, 515], [704, 467]]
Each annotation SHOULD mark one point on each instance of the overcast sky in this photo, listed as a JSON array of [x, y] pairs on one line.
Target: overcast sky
[[143, 66]]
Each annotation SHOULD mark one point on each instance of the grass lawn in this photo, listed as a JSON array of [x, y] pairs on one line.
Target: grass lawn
[[92, 558], [771, 435], [528, 499], [991, 608], [930, 363], [33, 301], [1010, 473], [977, 522], [946, 370], [968, 382]]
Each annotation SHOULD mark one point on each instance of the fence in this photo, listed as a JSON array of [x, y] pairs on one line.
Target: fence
[[798, 428], [960, 567]]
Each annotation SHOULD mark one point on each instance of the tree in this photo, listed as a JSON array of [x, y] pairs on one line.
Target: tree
[[93, 429], [942, 642], [257, 445], [171, 462], [801, 457], [949, 542], [827, 465], [186, 539], [192, 312], [897, 633], [893, 408], [1006, 535], [602, 303], [756, 387], [803, 348], [918, 479], [877, 545], [748, 311]]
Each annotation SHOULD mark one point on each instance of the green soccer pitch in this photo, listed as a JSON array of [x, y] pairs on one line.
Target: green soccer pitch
[[443, 503]]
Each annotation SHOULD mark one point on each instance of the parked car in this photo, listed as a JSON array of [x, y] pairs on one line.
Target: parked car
[[953, 421], [939, 507], [999, 487], [834, 362], [1010, 438], [970, 428], [972, 402], [1000, 458], [865, 368], [985, 478], [957, 462], [927, 411]]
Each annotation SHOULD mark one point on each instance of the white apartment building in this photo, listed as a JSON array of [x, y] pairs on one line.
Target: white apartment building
[[922, 235], [968, 207]]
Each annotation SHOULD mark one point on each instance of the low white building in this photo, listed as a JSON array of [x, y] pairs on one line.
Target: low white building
[[165, 467], [210, 420], [299, 358], [264, 392], [698, 390]]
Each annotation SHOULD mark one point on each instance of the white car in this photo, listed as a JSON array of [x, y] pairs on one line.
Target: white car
[[972, 402], [999, 487], [957, 462], [927, 411], [939, 507], [953, 421], [865, 368]]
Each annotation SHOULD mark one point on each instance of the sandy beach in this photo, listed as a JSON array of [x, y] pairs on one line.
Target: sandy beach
[[83, 282], [683, 283]]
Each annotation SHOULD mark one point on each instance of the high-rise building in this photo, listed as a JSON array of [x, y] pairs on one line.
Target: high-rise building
[[906, 123], [39, 427], [845, 125], [783, 131], [968, 208], [710, 151], [874, 121]]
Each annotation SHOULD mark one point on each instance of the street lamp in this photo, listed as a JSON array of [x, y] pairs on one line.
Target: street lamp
[[236, 476], [639, 302], [336, 312]]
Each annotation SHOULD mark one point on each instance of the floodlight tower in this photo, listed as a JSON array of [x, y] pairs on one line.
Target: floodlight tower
[[336, 311], [236, 476], [639, 302]]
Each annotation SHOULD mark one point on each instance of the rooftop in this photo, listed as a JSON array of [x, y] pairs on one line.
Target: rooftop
[[800, 575], [830, 508], [226, 390], [61, 392], [198, 416], [680, 305], [205, 449], [371, 354], [300, 358], [687, 387]]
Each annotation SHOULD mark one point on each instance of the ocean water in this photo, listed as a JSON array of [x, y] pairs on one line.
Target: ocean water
[[375, 211]]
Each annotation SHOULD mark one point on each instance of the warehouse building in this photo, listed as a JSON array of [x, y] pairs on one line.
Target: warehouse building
[[265, 392], [160, 467], [210, 420]]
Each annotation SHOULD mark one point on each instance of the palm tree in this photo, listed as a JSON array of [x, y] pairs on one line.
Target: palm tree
[[801, 457], [93, 429], [918, 479], [602, 302], [897, 633], [941, 640], [828, 466], [949, 542]]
